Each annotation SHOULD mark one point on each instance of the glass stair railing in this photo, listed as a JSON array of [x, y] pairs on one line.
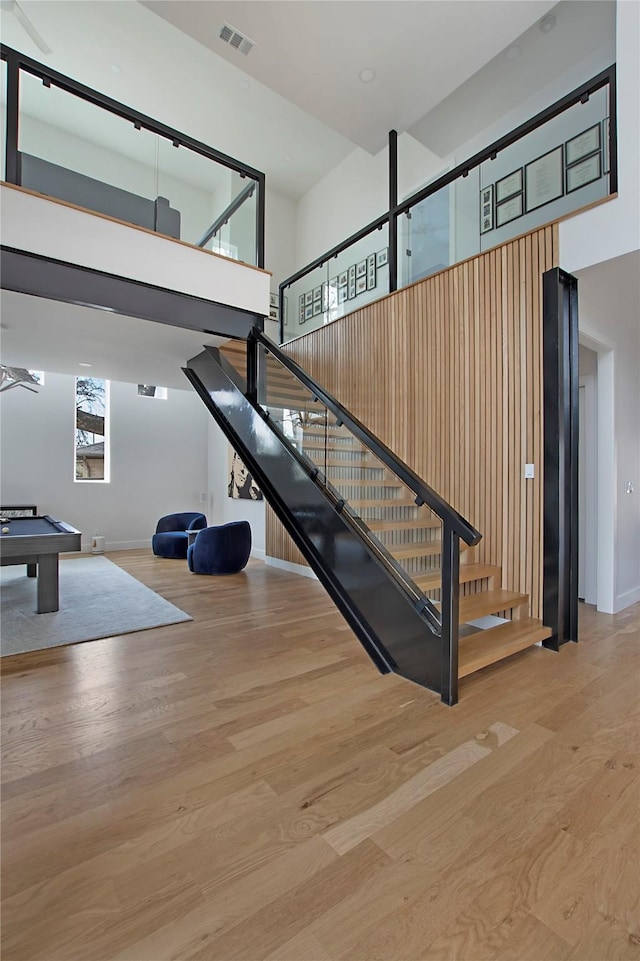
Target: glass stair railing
[[384, 545]]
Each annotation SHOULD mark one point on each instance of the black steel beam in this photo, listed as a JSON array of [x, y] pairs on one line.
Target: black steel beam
[[39, 276]]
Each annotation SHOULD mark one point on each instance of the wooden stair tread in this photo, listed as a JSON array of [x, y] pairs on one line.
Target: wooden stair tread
[[489, 602], [379, 502], [468, 573], [420, 524], [486, 647]]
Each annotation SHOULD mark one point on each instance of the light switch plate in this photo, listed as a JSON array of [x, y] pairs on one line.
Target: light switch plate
[[529, 471]]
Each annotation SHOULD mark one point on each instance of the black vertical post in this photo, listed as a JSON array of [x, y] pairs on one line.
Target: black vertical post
[[12, 170], [450, 613], [560, 532], [252, 369], [260, 222], [613, 133], [393, 217]]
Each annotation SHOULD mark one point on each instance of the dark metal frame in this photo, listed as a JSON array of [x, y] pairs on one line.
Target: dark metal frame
[[560, 530], [28, 273], [17, 61], [581, 94]]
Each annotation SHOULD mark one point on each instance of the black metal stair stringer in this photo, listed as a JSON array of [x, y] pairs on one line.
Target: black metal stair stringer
[[394, 633]]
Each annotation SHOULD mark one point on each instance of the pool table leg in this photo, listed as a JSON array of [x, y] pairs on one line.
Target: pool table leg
[[47, 583]]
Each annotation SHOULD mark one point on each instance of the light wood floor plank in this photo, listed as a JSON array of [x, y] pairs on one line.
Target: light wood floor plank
[[246, 785]]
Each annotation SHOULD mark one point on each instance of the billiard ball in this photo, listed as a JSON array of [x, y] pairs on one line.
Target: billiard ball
[[5, 530]]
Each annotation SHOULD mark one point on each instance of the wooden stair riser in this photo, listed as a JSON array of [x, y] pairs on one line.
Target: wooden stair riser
[[483, 648]]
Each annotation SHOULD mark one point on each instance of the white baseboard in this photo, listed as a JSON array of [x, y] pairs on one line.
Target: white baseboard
[[119, 546], [258, 554], [292, 568], [627, 599]]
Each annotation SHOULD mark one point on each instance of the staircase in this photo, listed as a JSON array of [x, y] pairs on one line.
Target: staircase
[[410, 534]]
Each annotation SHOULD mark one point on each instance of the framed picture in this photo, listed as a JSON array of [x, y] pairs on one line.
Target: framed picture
[[351, 290], [371, 274], [301, 302], [509, 185], [18, 510], [273, 300], [509, 210], [371, 261], [486, 209], [382, 257], [605, 146], [342, 279], [308, 312], [361, 285], [241, 483], [317, 307], [583, 173], [342, 295], [352, 274], [308, 297], [273, 313], [583, 145], [361, 268], [317, 293], [543, 179]]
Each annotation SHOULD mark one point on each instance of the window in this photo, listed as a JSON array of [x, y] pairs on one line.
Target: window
[[150, 390], [20, 377], [92, 429]]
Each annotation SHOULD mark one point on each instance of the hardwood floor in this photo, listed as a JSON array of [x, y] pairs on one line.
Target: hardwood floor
[[247, 786]]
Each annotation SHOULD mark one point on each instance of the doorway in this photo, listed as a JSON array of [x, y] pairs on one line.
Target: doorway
[[587, 474]]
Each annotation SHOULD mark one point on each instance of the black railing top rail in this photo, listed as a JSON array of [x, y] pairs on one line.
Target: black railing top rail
[[579, 94], [226, 214], [48, 75], [424, 494]]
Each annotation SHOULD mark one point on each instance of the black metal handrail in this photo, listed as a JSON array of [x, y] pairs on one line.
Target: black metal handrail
[[226, 214], [17, 61], [424, 494], [579, 95]]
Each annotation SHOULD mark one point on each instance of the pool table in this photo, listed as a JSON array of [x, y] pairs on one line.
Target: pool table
[[38, 542]]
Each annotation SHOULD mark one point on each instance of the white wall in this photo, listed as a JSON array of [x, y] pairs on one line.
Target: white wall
[[220, 507], [158, 459]]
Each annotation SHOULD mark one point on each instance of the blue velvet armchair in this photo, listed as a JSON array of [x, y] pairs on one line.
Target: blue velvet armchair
[[170, 538], [221, 550]]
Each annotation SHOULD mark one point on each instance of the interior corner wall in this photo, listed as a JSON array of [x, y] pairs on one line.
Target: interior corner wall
[[280, 237], [158, 459], [356, 192], [221, 509]]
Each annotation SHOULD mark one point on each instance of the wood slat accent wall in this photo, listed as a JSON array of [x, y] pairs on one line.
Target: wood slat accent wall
[[448, 373]]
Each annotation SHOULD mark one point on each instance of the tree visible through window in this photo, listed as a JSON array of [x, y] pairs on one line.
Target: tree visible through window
[[91, 450]]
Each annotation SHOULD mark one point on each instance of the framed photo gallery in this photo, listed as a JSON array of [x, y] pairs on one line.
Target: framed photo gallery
[[347, 285], [579, 161]]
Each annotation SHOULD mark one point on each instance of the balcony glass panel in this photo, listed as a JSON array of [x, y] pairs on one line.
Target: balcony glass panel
[[75, 151], [558, 168], [346, 282]]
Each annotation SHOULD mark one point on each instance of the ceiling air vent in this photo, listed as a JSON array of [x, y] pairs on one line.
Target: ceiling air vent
[[236, 39]]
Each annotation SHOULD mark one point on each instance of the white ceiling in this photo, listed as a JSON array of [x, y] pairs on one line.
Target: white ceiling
[[312, 52], [47, 335]]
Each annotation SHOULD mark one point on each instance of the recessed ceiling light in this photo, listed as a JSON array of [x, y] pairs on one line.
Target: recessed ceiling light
[[244, 84], [367, 74], [80, 364], [114, 68], [512, 53], [288, 157], [548, 23]]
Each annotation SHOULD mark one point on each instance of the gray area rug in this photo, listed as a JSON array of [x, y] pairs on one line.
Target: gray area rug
[[97, 599]]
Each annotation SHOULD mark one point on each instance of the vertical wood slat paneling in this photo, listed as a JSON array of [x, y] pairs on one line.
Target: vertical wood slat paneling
[[448, 373]]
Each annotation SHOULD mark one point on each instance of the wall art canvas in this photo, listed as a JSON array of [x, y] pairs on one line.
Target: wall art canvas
[[241, 483]]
